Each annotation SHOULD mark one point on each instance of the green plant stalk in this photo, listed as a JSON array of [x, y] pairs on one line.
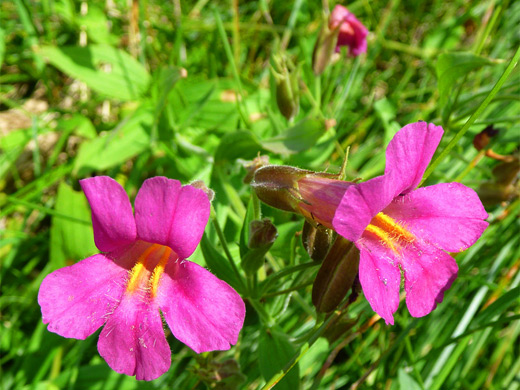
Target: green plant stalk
[[223, 242], [317, 91], [287, 271], [474, 116], [229, 54], [288, 290], [36, 150]]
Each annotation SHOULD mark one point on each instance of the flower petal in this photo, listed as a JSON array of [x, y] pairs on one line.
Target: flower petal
[[428, 272], [76, 300], [410, 151], [191, 217], [202, 311], [155, 206], [448, 214], [112, 217], [133, 342], [380, 278], [361, 203], [171, 215]]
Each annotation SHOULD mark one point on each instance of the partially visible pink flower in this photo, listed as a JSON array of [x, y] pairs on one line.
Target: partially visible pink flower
[[141, 270], [397, 228], [352, 32]]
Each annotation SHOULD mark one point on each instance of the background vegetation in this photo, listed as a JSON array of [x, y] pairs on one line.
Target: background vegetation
[[134, 89]]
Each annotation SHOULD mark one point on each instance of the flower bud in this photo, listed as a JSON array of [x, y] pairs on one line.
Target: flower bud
[[316, 241], [352, 33], [336, 275], [482, 139], [324, 49], [287, 90], [262, 235]]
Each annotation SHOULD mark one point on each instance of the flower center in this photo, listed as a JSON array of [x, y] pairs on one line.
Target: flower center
[[146, 273], [389, 231]]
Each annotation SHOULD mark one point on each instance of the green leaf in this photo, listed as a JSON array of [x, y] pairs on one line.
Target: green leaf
[[72, 239], [406, 382], [239, 144], [117, 146], [274, 352], [96, 24], [218, 264], [105, 69], [301, 136], [79, 125], [452, 67]]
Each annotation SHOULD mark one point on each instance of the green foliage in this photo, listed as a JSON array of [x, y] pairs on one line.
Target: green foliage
[[184, 90]]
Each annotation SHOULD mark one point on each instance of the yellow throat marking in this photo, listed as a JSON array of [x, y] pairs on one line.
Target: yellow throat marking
[[141, 270], [389, 231]]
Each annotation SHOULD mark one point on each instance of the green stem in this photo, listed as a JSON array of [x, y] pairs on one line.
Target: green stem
[[287, 271], [317, 91], [223, 242], [474, 116], [288, 290]]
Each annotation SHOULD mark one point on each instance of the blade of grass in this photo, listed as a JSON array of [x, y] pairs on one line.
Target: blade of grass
[[474, 116]]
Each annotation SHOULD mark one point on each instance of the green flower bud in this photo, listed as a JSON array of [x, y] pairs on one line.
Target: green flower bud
[[324, 48], [262, 235], [287, 89]]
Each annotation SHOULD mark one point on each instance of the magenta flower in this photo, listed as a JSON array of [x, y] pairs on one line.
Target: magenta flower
[[141, 270], [397, 228], [352, 32]]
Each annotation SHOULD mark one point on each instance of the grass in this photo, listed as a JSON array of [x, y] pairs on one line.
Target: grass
[[184, 90]]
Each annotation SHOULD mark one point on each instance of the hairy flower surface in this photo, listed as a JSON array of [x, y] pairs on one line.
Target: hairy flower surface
[[141, 271], [352, 32], [397, 228]]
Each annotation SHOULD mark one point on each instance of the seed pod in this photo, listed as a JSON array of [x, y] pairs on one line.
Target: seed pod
[[336, 275]]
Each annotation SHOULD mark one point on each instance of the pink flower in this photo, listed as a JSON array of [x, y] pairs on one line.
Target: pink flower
[[141, 270], [352, 33], [398, 228]]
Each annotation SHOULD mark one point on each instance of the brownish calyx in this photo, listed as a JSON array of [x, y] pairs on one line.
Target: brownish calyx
[[316, 240], [336, 275], [277, 186]]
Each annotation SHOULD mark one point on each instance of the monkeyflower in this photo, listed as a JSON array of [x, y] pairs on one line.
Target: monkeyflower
[[352, 32], [399, 228], [142, 269]]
